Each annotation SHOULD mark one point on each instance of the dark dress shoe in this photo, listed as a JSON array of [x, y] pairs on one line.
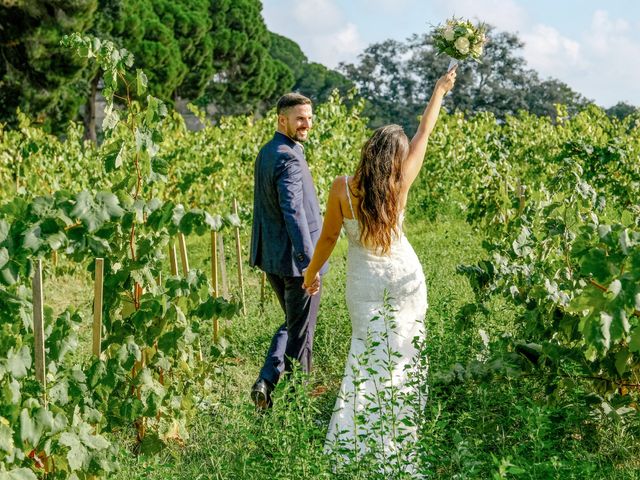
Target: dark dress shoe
[[261, 393]]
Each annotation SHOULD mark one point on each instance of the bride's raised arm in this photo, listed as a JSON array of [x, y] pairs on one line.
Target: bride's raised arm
[[418, 144]]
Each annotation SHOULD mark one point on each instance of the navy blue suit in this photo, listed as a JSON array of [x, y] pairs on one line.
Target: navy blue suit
[[286, 227]]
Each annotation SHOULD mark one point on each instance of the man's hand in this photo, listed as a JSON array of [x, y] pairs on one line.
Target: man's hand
[[311, 284]]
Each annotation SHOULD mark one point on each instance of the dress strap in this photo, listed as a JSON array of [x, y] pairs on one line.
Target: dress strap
[[346, 184]]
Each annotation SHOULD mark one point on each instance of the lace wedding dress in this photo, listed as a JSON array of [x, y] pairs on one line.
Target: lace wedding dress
[[381, 392]]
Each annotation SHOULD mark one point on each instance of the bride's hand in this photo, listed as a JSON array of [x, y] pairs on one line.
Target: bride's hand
[[311, 284], [447, 81]]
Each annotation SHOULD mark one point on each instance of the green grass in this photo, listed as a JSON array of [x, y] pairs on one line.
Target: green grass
[[500, 428]]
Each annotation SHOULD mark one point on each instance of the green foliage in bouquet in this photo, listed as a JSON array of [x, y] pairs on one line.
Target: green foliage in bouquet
[[460, 39]]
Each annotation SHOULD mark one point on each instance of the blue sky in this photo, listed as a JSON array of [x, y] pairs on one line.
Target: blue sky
[[593, 46]]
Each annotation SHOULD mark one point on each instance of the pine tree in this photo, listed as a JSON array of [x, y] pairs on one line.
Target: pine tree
[[38, 75], [246, 76]]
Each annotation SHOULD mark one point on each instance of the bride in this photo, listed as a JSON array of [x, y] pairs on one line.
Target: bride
[[386, 292]]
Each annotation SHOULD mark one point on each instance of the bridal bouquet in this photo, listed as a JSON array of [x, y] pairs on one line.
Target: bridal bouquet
[[460, 39]]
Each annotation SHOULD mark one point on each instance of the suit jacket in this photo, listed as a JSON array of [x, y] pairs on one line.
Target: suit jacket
[[286, 215]]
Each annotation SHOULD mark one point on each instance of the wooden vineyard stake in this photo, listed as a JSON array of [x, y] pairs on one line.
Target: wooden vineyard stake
[[137, 295], [214, 262], [140, 422], [183, 254], [173, 260], [97, 307], [38, 326], [223, 268], [54, 258], [214, 279], [184, 259], [239, 257]]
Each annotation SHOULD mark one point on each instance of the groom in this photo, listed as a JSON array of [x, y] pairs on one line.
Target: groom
[[286, 227]]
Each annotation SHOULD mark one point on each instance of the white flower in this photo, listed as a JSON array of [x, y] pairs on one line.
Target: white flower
[[462, 45], [448, 34], [477, 49]]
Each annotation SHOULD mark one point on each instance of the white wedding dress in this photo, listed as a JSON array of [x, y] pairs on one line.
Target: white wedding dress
[[381, 391]]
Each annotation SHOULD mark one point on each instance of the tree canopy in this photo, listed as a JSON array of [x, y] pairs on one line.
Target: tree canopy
[[396, 78], [220, 53], [37, 75], [245, 73], [311, 79], [622, 110]]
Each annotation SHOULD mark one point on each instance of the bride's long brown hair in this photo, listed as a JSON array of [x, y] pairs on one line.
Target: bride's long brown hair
[[378, 180]]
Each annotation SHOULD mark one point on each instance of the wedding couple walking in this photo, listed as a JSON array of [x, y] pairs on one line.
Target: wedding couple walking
[[292, 245]]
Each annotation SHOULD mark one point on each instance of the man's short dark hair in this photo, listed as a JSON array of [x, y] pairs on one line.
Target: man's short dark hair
[[289, 100]]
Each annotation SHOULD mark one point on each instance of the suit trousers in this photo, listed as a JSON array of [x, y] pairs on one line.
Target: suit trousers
[[294, 339]]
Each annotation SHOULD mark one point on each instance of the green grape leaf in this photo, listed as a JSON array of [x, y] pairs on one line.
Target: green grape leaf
[[151, 444], [169, 341], [18, 363], [4, 230], [622, 358], [141, 82], [4, 257], [32, 238], [114, 157], [233, 220], [30, 430], [78, 456], [111, 117], [110, 204], [6, 437], [634, 343], [131, 409], [57, 240], [18, 474], [595, 264], [214, 221]]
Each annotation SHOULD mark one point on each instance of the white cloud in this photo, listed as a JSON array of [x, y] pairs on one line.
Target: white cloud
[[391, 6], [320, 28], [321, 16], [336, 46], [503, 14], [612, 51], [607, 34], [600, 64], [550, 53]]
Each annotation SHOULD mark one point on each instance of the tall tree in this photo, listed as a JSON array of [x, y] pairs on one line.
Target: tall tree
[[384, 81], [108, 15], [318, 82], [621, 110], [141, 30], [311, 79], [167, 38], [396, 79], [191, 25], [498, 84], [288, 52], [37, 75], [245, 73], [135, 25], [542, 96]]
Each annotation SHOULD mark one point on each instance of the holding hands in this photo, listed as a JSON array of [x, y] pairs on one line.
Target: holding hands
[[311, 284]]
